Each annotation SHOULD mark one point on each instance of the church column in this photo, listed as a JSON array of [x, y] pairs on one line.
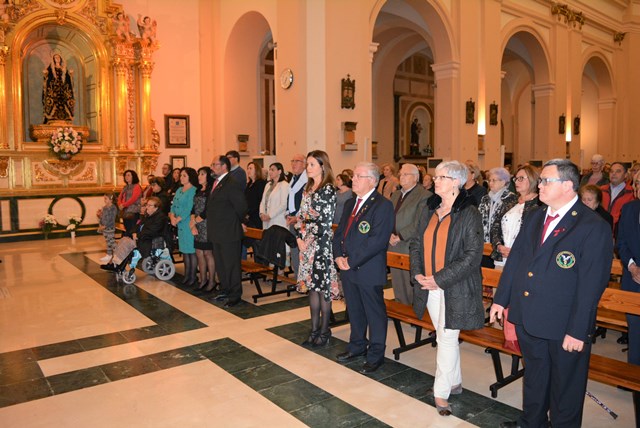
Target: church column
[[447, 110], [145, 129], [120, 66], [547, 142], [4, 137], [607, 142]]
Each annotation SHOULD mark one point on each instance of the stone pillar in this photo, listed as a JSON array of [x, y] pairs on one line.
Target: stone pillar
[[4, 130], [607, 141], [120, 66], [548, 143], [144, 120], [448, 117]]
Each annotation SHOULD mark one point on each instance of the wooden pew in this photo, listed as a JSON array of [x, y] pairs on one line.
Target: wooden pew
[[259, 272], [602, 369]]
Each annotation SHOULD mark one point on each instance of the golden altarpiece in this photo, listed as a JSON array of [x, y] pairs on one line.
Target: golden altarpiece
[[108, 65]]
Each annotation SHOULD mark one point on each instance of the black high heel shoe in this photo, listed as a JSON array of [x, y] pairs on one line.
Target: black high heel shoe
[[322, 340], [311, 340]]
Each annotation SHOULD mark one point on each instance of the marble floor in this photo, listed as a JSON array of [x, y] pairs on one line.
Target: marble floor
[[79, 349]]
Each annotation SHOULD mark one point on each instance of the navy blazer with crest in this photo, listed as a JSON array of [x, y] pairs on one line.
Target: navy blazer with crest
[[553, 289], [366, 242], [629, 242]]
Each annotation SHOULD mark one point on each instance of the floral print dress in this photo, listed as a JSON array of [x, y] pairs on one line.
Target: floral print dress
[[315, 216]]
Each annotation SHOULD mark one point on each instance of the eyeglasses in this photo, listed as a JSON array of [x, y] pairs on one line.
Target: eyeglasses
[[518, 179], [151, 206], [296, 160], [494, 180], [441, 177], [362, 177], [546, 180]]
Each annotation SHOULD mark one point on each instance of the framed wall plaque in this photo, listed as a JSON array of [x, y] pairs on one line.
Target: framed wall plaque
[[178, 161], [176, 130]]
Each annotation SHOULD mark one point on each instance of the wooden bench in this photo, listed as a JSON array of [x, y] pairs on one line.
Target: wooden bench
[[601, 368], [259, 272]]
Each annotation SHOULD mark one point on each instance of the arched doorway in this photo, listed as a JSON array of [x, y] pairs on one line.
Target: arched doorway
[[597, 111]]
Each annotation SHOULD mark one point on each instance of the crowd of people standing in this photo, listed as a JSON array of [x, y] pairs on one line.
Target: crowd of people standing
[[442, 221]]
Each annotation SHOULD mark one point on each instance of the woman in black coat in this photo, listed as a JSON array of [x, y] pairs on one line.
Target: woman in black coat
[[151, 226], [445, 257], [253, 193]]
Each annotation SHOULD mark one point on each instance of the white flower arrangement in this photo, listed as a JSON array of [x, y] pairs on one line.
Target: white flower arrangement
[[48, 222], [66, 142], [74, 222]]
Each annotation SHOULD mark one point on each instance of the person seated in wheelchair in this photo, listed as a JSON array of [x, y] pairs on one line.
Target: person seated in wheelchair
[[149, 233]]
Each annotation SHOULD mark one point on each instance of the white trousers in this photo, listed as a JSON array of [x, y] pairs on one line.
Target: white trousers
[[448, 372]]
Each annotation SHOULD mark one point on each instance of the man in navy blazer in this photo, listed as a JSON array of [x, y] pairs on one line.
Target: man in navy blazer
[[629, 250], [556, 273], [360, 251]]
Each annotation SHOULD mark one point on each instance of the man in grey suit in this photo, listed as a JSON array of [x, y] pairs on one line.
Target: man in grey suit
[[408, 204]]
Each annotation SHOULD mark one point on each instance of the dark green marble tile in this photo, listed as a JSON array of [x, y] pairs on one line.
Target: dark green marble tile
[[411, 382], [295, 395], [373, 423], [388, 369], [176, 357], [57, 349], [331, 413], [78, 379], [288, 331], [265, 376], [19, 372], [24, 391], [129, 368], [101, 341], [143, 333], [494, 415], [216, 347], [17, 357], [241, 359]]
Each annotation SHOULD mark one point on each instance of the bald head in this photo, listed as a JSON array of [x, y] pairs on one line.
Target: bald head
[[409, 176], [298, 163]]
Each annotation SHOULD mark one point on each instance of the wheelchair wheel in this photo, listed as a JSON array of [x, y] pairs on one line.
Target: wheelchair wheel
[[128, 277], [147, 265], [165, 270]]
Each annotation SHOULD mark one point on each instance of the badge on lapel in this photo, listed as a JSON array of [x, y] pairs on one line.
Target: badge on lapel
[[565, 259], [364, 227]]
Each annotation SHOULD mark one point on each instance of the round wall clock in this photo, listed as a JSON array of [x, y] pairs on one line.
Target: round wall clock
[[286, 78]]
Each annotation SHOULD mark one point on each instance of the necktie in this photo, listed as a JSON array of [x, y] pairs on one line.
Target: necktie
[[352, 216], [215, 183], [547, 222]]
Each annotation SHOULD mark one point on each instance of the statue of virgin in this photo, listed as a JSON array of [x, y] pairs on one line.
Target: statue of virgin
[[57, 92]]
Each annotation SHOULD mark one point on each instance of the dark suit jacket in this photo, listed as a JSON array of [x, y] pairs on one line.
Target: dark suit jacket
[[407, 216], [629, 242], [553, 290], [366, 242], [226, 208]]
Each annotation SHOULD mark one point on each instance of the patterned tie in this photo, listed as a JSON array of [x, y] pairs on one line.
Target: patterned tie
[[352, 216], [547, 222], [215, 183]]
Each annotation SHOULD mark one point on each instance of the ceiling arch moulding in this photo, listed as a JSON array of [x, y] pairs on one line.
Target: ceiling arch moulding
[[536, 42], [433, 16]]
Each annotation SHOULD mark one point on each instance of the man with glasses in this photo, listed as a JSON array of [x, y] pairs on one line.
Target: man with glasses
[[597, 176], [296, 188], [554, 277], [408, 203], [360, 250], [236, 170], [226, 207]]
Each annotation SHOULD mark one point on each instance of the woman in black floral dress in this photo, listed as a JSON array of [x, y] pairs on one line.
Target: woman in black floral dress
[[317, 272]]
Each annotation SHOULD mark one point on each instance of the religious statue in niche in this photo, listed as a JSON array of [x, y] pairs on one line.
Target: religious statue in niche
[[147, 28], [58, 101], [348, 88], [121, 25], [416, 129]]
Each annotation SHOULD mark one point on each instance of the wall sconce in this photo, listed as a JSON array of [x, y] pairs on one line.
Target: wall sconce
[[576, 125], [562, 124], [493, 114], [470, 112]]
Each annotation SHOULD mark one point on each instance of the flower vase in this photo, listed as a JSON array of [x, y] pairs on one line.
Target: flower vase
[[46, 235], [64, 156], [73, 235]]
